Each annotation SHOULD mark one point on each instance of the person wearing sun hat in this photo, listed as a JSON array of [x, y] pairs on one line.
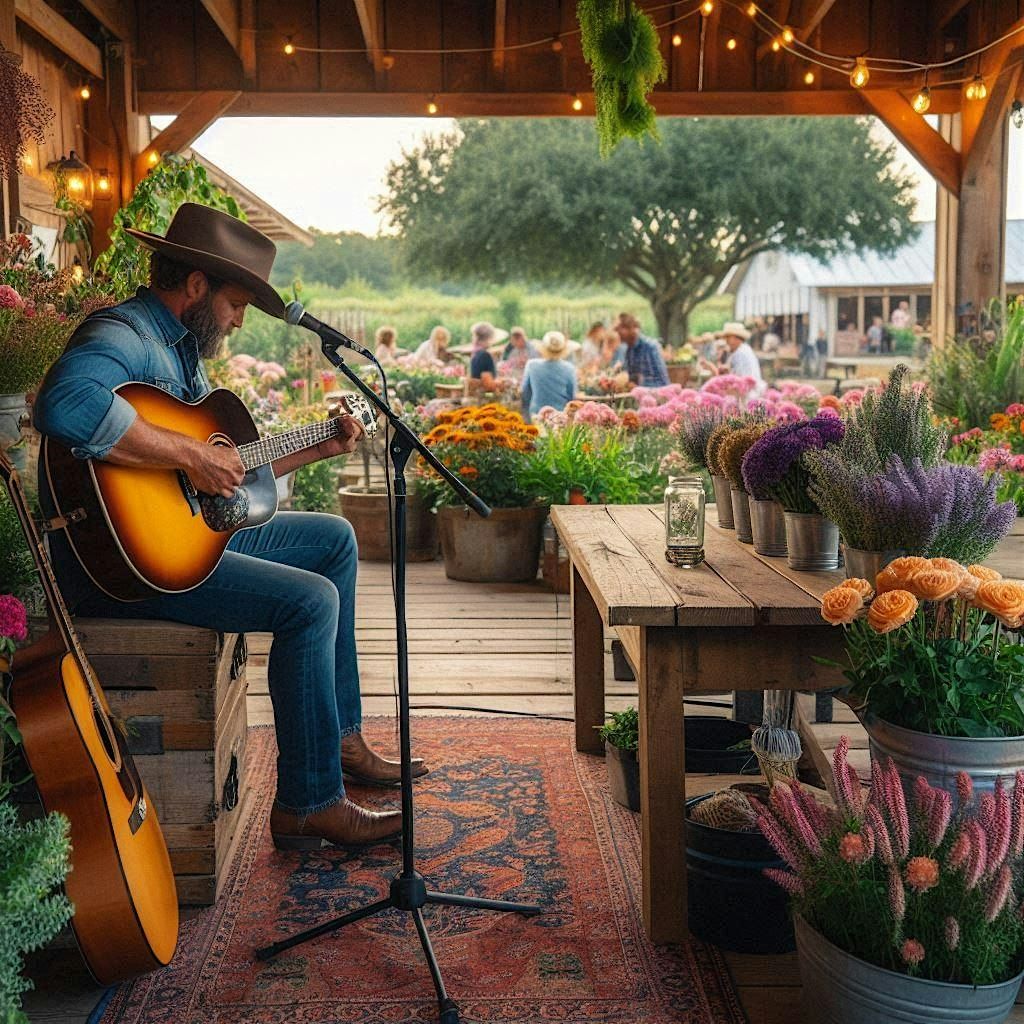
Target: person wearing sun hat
[[481, 363], [551, 379], [293, 577], [742, 360]]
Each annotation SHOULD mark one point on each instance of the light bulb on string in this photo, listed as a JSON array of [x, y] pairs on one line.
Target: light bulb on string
[[707, 7], [677, 40], [431, 106], [860, 75], [387, 62], [85, 92], [776, 45], [809, 78], [556, 44], [787, 35], [922, 98], [289, 47], [730, 43], [752, 10], [976, 88], [153, 159], [577, 103]]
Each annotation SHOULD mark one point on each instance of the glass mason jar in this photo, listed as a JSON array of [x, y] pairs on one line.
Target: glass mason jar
[[684, 521]]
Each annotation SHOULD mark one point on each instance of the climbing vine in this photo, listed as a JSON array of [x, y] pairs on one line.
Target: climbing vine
[[175, 180], [622, 47]]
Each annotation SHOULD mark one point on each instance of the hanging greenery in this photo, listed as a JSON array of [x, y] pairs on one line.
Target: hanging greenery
[[26, 114], [622, 47]]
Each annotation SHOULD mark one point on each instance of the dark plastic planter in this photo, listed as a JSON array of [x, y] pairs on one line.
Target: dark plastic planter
[[623, 776], [731, 903], [707, 738]]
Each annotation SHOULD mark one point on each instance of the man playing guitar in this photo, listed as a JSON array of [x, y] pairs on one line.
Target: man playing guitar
[[294, 576]]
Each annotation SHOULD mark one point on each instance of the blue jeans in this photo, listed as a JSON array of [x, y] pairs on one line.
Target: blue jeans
[[294, 577]]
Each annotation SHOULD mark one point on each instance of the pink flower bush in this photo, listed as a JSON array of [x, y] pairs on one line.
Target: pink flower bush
[[596, 414], [13, 619], [9, 298]]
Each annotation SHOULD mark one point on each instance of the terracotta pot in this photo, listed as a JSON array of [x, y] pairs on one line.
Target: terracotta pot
[[367, 511], [577, 496], [503, 548], [680, 373]]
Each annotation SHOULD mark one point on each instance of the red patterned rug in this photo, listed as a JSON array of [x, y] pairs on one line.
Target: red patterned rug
[[510, 811]]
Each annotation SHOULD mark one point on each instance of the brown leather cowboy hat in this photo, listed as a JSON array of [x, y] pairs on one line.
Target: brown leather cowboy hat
[[222, 246]]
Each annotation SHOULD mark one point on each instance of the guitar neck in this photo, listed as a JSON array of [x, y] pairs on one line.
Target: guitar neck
[[278, 446]]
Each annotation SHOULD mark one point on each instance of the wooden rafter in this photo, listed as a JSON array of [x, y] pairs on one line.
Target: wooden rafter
[[61, 33], [814, 19], [369, 14], [500, 12], [937, 156], [944, 11], [117, 16], [247, 38], [993, 64], [226, 17], [782, 17], [195, 117]]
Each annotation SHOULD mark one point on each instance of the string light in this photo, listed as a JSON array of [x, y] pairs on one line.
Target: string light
[[922, 98], [153, 159], [289, 47], [752, 10], [431, 106], [809, 78], [707, 7], [556, 44], [387, 62], [677, 40], [860, 75], [103, 184], [730, 44], [976, 88], [577, 103], [1017, 114], [85, 92], [787, 35], [776, 45]]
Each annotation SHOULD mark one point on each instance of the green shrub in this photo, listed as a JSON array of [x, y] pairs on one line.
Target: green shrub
[[622, 730]]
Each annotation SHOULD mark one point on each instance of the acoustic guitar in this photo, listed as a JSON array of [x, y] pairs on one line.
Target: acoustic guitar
[[121, 884], [139, 532]]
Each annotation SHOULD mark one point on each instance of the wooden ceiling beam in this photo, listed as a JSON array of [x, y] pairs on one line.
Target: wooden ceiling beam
[[247, 38], [371, 19], [116, 16], [500, 17], [944, 11], [194, 118], [814, 19], [935, 154], [61, 33], [993, 64], [825, 102], [226, 17]]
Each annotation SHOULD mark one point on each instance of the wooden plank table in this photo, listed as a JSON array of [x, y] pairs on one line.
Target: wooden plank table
[[738, 622]]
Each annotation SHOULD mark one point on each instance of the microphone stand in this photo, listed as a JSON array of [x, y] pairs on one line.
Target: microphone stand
[[408, 890]]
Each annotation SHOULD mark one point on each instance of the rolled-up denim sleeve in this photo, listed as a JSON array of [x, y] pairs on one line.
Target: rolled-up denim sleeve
[[76, 404]]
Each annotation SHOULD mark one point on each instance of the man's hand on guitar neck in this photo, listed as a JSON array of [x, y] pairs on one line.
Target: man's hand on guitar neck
[[212, 469], [350, 432]]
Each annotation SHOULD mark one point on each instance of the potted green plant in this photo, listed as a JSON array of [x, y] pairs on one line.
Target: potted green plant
[[621, 737], [907, 913], [489, 448], [681, 364], [933, 668]]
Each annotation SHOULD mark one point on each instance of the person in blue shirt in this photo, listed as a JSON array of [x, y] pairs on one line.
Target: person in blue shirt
[[519, 351], [294, 576], [550, 380], [644, 362], [481, 363]]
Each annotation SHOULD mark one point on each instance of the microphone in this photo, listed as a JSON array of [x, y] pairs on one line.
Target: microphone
[[296, 315]]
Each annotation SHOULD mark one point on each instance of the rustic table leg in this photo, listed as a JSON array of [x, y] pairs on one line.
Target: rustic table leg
[[587, 666], [662, 784]]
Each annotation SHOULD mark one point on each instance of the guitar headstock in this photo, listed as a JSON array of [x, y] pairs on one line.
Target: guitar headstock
[[359, 408]]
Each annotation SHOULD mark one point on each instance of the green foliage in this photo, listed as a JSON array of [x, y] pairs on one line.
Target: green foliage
[[316, 487], [17, 571], [28, 347], [576, 457], [622, 47], [975, 376], [904, 340], [667, 221], [33, 865], [510, 306], [175, 180], [622, 730], [337, 259]]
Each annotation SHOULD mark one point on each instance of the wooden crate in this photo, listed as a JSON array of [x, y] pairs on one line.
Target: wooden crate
[[181, 692]]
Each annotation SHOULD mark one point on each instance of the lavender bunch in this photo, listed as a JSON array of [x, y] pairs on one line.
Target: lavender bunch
[[695, 430], [773, 467]]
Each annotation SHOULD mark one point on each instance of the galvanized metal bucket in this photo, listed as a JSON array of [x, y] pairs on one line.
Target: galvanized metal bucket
[[723, 500], [741, 516], [812, 541], [939, 758], [866, 565], [768, 527], [841, 989], [12, 411]]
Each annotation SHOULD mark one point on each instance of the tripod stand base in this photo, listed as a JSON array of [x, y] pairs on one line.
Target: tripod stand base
[[408, 893]]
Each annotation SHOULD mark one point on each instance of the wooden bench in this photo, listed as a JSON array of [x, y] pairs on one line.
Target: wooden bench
[[739, 622]]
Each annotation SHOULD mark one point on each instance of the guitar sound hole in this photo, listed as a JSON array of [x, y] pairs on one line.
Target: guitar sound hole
[[104, 735]]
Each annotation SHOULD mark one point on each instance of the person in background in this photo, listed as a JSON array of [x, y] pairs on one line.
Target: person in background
[[519, 350], [742, 359], [876, 333], [592, 350], [387, 345], [481, 363], [770, 340], [644, 362], [821, 348], [900, 316], [435, 348], [551, 379]]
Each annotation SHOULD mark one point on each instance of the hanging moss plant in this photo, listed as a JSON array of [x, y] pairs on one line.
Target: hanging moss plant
[[622, 47]]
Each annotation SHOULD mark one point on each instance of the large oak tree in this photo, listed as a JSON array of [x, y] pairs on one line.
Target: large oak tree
[[531, 201]]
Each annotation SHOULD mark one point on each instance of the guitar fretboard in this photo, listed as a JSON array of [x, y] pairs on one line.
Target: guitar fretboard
[[277, 446]]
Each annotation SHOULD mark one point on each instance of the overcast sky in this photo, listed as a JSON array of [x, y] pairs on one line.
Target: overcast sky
[[326, 172]]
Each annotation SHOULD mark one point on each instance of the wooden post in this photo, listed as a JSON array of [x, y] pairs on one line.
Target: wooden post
[[9, 205], [587, 666], [947, 207]]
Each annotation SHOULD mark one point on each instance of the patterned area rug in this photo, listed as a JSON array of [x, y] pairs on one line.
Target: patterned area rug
[[510, 811]]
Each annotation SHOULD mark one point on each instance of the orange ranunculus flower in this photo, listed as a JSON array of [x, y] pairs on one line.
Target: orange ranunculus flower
[[862, 587], [984, 573], [968, 586], [898, 573], [1004, 599], [934, 584], [948, 565], [891, 610], [840, 605]]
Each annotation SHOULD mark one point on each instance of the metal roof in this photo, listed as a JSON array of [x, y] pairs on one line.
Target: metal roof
[[912, 264]]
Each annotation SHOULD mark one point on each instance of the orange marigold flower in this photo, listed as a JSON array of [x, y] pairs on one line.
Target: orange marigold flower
[[934, 584], [891, 610], [922, 873], [840, 605], [862, 587], [1000, 421], [1004, 599], [468, 471], [898, 573], [984, 573]]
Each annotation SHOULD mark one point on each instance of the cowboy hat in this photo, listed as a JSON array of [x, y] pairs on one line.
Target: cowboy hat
[[555, 345], [734, 329], [486, 331], [222, 246]]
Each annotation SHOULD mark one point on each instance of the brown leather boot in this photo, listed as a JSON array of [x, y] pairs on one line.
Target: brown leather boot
[[344, 824], [364, 767]]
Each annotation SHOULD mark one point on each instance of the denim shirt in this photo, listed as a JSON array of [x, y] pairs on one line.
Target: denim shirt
[[138, 340]]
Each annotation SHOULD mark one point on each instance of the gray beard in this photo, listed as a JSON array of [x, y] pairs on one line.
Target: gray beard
[[200, 320]]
